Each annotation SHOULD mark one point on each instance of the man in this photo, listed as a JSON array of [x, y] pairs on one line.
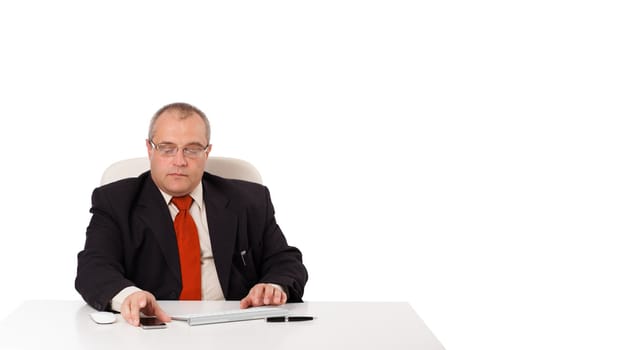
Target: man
[[177, 232]]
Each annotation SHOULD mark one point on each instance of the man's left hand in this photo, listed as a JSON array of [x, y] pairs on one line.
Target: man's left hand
[[264, 294]]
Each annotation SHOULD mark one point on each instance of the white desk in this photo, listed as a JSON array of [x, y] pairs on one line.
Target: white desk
[[338, 325]]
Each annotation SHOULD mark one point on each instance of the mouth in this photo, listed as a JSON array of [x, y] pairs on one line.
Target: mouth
[[177, 174]]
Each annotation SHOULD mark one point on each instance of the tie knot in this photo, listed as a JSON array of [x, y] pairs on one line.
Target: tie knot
[[182, 203]]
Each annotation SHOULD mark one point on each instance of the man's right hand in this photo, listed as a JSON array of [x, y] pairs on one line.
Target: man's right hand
[[141, 301]]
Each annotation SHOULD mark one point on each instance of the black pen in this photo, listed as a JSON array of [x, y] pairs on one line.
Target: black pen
[[289, 318]]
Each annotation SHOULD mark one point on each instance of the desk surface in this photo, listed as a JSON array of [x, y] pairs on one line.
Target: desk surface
[[338, 325]]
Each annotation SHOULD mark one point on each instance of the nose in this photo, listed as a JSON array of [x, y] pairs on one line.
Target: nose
[[179, 159]]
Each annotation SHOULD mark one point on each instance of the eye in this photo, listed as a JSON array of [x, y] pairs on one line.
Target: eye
[[167, 148], [194, 150]]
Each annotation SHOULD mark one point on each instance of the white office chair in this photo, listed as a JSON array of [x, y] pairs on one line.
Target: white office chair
[[231, 168]]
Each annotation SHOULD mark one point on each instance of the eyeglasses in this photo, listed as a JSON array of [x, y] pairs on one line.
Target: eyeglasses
[[167, 149]]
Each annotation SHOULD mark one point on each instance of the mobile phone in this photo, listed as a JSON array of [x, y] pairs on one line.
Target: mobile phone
[[151, 323]]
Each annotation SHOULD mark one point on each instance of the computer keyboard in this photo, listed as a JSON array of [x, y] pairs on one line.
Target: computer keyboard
[[232, 315]]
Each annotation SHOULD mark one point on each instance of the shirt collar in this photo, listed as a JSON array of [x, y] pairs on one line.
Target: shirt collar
[[196, 194]]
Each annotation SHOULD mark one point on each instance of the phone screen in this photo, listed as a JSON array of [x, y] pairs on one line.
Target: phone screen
[[151, 323]]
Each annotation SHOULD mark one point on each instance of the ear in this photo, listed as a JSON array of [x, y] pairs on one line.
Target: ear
[[209, 148], [149, 149]]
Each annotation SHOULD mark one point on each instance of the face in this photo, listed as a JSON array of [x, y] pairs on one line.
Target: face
[[177, 175]]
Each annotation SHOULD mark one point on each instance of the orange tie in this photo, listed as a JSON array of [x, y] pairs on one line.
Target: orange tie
[[189, 249]]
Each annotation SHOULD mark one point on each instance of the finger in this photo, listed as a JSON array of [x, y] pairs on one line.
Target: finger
[[125, 310], [278, 296], [151, 306], [160, 313], [269, 292], [246, 302], [134, 306], [256, 295]]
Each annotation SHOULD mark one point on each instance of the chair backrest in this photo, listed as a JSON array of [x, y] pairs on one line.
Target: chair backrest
[[231, 168]]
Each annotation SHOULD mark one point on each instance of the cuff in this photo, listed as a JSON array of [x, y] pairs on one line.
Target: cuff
[[116, 302]]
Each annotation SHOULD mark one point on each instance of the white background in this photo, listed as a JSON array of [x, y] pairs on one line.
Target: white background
[[466, 156]]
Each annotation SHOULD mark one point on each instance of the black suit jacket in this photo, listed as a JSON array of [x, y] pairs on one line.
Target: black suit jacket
[[131, 242]]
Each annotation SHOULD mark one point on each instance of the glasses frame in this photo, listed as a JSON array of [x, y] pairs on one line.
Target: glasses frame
[[186, 151]]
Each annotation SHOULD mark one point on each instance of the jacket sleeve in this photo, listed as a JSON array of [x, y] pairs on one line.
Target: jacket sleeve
[[281, 263], [100, 269]]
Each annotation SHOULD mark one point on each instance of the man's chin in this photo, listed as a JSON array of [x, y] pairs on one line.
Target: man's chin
[[178, 190]]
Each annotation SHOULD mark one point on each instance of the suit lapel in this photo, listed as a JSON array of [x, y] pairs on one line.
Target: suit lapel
[[223, 225], [153, 211]]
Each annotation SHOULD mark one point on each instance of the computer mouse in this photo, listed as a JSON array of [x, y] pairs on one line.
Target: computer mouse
[[103, 317]]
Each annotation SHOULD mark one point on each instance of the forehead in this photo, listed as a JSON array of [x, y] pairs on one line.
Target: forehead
[[175, 126]]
